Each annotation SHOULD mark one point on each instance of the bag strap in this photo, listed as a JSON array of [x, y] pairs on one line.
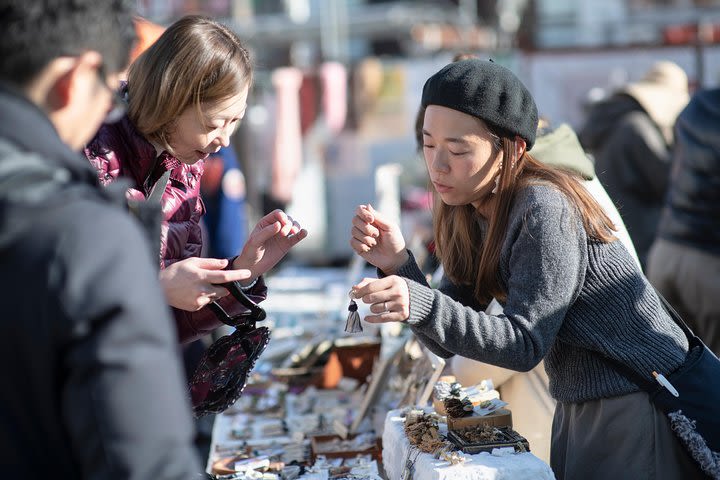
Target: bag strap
[[149, 211], [257, 313], [159, 188], [676, 317]]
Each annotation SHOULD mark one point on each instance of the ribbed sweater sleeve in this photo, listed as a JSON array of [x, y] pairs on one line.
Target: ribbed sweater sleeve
[[572, 300], [547, 257], [410, 270]]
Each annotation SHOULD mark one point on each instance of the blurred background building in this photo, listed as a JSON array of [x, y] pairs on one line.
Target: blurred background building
[[331, 117]]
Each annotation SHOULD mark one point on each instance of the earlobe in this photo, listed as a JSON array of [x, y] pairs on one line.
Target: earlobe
[[520, 146]]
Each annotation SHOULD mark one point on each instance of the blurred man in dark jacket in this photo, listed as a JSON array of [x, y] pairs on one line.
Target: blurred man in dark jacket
[[92, 383], [630, 136], [684, 262]]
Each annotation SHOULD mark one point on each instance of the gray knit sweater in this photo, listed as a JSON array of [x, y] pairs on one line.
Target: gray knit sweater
[[570, 300]]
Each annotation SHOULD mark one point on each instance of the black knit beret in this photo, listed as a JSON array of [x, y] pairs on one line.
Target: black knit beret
[[488, 91]]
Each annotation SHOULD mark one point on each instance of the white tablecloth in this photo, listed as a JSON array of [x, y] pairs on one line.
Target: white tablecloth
[[482, 466]]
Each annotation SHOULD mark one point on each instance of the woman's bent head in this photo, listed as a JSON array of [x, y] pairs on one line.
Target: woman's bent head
[[188, 91], [479, 123]]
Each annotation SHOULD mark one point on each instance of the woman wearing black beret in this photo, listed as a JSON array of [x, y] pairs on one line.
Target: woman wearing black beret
[[529, 235]]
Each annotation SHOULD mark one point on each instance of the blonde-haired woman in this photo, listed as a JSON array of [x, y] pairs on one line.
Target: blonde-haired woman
[[184, 96], [511, 228]]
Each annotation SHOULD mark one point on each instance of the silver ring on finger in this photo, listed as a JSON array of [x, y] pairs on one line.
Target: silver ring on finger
[[385, 309]]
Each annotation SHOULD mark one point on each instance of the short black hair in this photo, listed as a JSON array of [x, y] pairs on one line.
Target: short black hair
[[35, 32]]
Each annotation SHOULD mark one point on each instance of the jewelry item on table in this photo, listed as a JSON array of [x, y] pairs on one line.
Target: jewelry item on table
[[519, 447], [422, 431], [482, 433], [458, 407], [455, 389], [450, 455], [353, 323]]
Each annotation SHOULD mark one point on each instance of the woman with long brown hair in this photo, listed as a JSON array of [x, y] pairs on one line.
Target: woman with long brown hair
[[529, 235]]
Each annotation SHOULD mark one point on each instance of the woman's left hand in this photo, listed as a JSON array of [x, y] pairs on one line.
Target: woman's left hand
[[389, 298], [271, 239]]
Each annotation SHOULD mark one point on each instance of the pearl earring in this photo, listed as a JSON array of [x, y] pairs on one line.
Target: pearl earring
[[497, 179]]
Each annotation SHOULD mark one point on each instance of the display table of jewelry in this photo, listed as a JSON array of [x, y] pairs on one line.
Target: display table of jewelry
[[403, 461]]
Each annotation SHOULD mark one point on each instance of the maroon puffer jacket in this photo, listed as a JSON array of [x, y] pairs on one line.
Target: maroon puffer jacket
[[119, 150]]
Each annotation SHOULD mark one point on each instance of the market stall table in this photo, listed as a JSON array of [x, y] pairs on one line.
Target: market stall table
[[482, 466]]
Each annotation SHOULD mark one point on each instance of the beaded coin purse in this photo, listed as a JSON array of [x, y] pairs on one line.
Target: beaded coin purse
[[224, 368]]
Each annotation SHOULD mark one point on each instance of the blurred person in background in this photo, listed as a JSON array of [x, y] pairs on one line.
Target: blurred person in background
[[684, 262], [223, 193], [186, 95], [92, 386], [630, 135], [147, 33], [529, 235]]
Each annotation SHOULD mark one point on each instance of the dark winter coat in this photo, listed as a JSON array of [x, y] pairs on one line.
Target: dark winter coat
[[692, 211], [92, 383], [632, 160]]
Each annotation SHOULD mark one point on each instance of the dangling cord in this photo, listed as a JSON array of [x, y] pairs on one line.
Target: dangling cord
[[353, 323]]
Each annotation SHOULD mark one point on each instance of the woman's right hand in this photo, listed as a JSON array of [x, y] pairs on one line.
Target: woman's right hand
[[192, 283], [377, 240]]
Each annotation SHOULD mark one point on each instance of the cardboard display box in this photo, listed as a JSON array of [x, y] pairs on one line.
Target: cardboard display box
[[500, 418], [341, 359]]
